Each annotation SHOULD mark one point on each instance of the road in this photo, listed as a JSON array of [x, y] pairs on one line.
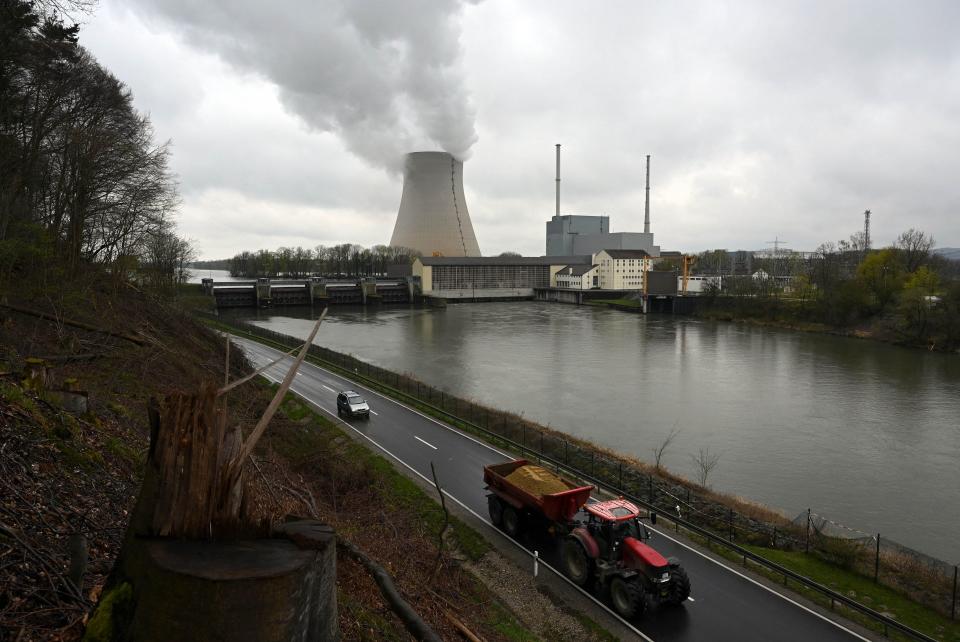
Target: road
[[724, 604]]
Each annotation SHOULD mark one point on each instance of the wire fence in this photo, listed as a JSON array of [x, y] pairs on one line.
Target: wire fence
[[924, 579]]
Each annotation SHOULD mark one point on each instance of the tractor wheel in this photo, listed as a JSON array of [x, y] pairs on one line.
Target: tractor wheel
[[511, 521], [576, 565], [627, 597], [679, 586], [495, 506]]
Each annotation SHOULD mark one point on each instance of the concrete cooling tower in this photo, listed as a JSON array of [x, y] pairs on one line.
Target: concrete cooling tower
[[433, 216]]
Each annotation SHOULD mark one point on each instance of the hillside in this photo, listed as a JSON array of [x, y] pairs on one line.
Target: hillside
[[70, 480]]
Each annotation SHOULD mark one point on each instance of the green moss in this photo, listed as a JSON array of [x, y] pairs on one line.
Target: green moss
[[111, 614], [373, 626], [75, 457], [504, 622], [118, 409], [122, 451]]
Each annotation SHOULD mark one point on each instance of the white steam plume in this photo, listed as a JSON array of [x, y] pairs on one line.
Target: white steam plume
[[384, 76]]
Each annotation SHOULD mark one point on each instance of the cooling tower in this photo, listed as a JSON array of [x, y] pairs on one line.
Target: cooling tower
[[433, 216]]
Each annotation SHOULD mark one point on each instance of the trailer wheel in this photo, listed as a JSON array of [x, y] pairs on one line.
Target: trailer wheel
[[679, 585], [511, 521], [495, 506], [576, 565], [627, 597]]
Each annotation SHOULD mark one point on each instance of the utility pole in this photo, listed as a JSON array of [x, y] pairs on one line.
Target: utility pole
[[776, 242]]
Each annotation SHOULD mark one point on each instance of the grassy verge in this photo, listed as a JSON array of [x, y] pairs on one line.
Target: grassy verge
[[853, 585], [398, 490], [863, 589]]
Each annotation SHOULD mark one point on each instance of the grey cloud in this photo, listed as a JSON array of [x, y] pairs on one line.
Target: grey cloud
[[385, 77]]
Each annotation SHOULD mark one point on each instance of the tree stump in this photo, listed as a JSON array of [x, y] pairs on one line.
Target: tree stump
[[265, 590]]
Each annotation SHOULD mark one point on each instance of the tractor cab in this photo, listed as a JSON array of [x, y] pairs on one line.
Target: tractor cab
[[611, 522]]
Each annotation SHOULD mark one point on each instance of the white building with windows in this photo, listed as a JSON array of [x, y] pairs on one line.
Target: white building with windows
[[622, 269], [577, 277], [698, 284]]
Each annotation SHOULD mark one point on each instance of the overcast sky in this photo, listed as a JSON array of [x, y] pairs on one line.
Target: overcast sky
[[765, 120]]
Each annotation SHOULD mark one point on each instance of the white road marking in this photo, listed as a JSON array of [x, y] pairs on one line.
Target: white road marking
[[691, 599], [374, 413], [763, 586], [424, 442], [327, 387]]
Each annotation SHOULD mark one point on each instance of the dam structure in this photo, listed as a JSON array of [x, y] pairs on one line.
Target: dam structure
[[433, 216]]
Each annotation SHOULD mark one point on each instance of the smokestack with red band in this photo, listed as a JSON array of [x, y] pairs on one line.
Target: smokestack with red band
[[433, 216]]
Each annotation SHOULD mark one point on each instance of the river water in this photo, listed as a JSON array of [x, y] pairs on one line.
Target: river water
[[864, 433]]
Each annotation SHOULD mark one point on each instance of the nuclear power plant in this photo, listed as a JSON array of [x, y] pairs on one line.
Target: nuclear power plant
[[433, 216]]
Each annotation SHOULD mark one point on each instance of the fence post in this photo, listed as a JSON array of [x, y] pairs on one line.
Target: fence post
[[730, 522], [650, 489], [565, 452], [774, 537], [593, 464], [541, 442], [876, 563], [806, 547]]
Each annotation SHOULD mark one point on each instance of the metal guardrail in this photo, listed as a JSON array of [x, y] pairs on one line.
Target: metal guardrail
[[835, 597]]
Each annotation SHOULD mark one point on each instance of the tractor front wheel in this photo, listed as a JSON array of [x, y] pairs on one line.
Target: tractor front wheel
[[679, 585], [576, 564], [627, 597]]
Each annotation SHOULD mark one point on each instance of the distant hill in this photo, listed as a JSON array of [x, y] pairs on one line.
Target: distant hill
[[952, 253]]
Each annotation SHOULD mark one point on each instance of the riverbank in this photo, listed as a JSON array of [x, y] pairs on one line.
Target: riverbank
[[792, 315]]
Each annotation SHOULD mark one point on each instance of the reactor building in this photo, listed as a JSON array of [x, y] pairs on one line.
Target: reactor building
[[433, 216], [571, 234]]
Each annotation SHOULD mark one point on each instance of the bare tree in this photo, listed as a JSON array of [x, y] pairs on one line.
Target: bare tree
[[704, 463], [914, 248], [662, 447]]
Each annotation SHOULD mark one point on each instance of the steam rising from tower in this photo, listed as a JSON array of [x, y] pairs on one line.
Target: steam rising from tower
[[433, 216]]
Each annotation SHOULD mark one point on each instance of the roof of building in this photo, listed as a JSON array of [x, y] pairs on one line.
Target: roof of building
[[626, 254], [670, 254], [576, 270], [585, 259]]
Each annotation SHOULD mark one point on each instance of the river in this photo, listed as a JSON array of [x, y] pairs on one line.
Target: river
[[863, 433]]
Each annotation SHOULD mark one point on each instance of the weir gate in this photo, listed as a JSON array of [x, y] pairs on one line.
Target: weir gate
[[265, 293]]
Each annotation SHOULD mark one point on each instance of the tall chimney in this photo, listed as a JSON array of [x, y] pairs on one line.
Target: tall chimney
[[646, 205], [866, 230], [433, 216], [558, 179]]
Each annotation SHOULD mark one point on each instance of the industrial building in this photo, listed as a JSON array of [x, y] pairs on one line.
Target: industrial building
[[576, 234], [622, 269], [489, 277], [433, 216], [571, 234], [578, 277]]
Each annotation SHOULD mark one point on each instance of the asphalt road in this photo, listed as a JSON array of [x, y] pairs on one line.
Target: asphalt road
[[724, 604]]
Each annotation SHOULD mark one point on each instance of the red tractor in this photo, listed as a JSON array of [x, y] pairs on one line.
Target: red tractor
[[608, 553], [602, 544]]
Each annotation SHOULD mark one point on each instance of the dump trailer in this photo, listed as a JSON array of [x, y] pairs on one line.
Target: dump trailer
[[602, 545]]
